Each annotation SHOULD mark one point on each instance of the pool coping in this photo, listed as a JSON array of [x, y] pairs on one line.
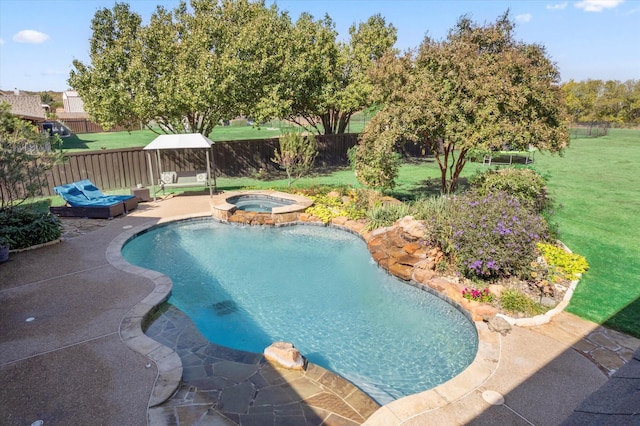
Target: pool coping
[[170, 369], [300, 203]]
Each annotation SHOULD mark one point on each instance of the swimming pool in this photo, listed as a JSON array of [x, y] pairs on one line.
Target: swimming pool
[[317, 287]]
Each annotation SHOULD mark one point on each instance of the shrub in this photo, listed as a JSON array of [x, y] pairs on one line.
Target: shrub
[[493, 235], [562, 264], [386, 214], [524, 184], [375, 160], [434, 211], [296, 154], [326, 207], [514, 301], [25, 227]]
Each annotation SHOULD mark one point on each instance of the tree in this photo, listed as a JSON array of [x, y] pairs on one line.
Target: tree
[[46, 98], [477, 89], [296, 154], [23, 159], [597, 100], [184, 71], [580, 98], [325, 82]]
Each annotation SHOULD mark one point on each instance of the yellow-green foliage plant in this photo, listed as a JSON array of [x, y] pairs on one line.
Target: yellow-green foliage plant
[[562, 264], [326, 207]]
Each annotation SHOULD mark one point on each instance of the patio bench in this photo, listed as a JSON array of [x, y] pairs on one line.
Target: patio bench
[[183, 179]]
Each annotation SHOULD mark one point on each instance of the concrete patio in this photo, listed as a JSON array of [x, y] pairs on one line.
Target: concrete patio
[[65, 359]]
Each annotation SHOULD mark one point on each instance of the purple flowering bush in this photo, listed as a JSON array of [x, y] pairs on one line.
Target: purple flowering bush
[[494, 235]]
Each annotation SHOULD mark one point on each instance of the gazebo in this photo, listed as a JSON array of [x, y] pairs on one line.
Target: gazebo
[[180, 141]]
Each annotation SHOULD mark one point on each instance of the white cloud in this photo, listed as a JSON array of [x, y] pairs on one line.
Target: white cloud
[[598, 5], [30, 36], [1, 42], [558, 6], [525, 17]]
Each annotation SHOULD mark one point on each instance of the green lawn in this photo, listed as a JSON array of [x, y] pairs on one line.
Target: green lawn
[[140, 138], [597, 187]]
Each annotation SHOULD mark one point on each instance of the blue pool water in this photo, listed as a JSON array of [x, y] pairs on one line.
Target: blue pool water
[[258, 202], [319, 288]]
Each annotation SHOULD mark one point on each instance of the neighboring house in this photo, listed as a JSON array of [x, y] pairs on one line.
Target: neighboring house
[[73, 106], [27, 107]]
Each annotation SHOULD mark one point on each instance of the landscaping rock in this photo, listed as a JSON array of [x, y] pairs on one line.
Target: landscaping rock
[[401, 271], [413, 227], [548, 302], [340, 220], [285, 355], [497, 324], [412, 248], [496, 290], [423, 275]]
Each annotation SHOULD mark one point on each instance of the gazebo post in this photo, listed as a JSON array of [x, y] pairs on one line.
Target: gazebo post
[[209, 175], [151, 176], [213, 162]]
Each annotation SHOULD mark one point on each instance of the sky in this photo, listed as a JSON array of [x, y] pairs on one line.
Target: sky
[[587, 39]]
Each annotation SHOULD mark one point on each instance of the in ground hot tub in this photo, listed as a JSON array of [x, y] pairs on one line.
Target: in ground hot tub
[[261, 203], [258, 206]]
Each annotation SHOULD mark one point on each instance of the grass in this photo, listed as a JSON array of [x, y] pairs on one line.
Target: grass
[[595, 186], [140, 138]]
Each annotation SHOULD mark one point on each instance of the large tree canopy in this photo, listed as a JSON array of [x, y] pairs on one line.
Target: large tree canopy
[[325, 82], [477, 89], [597, 100], [192, 67], [187, 69]]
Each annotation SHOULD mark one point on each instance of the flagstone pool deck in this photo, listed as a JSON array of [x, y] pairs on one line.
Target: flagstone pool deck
[[70, 316]]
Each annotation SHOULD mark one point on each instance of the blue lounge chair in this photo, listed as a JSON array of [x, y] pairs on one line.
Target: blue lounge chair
[[80, 206], [93, 193]]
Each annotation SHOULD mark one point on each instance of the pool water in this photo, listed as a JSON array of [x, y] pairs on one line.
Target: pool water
[[258, 203], [246, 287]]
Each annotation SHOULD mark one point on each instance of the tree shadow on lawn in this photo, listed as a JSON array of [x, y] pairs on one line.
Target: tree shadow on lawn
[[427, 188], [73, 142], [626, 319]]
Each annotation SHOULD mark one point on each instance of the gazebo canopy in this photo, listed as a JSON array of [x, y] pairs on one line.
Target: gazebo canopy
[[180, 141]]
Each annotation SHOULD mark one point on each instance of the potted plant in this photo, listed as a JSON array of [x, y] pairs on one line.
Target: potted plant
[[4, 250]]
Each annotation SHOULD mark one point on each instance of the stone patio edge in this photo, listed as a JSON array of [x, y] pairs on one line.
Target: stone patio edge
[[167, 361]]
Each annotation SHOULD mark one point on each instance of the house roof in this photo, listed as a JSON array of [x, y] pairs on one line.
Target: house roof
[[179, 141], [25, 106]]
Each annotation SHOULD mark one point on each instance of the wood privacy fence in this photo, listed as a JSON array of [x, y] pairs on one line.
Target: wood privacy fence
[[125, 168], [83, 125]]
